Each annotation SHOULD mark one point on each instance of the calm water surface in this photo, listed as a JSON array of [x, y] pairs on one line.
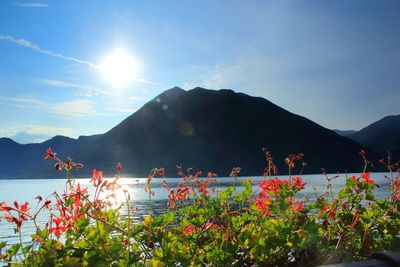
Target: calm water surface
[[27, 190]]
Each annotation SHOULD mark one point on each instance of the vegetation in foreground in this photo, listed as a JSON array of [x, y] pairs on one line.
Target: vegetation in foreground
[[263, 225]]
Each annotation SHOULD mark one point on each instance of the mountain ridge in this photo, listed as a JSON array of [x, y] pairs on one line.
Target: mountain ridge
[[212, 130], [381, 136]]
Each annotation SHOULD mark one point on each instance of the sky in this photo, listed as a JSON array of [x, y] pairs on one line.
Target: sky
[[61, 62]]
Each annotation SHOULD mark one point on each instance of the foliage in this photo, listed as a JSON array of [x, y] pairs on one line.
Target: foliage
[[262, 225]]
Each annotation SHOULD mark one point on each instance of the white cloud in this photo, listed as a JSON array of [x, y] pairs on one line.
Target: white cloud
[[75, 108], [28, 44], [35, 133], [7, 133], [48, 130], [36, 4], [72, 108]]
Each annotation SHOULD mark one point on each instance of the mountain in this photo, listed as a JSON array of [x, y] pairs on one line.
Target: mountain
[[345, 133], [23, 160], [381, 136], [211, 131], [215, 131]]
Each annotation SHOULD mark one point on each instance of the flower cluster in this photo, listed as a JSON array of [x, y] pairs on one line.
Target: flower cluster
[[279, 190], [16, 214], [268, 226]]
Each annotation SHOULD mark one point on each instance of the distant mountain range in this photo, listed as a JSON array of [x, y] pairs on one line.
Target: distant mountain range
[[345, 133], [381, 136], [205, 129]]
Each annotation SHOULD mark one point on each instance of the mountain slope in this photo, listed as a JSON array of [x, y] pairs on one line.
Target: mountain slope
[[215, 131], [345, 133], [205, 129], [18, 160], [381, 136]]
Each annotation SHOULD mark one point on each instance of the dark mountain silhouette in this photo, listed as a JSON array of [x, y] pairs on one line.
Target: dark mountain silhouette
[[18, 160], [211, 131], [345, 133], [381, 136], [215, 131]]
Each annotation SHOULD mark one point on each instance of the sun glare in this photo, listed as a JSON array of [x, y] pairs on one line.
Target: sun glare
[[119, 68]]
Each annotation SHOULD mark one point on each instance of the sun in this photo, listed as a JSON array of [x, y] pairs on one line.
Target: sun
[[119, 68]]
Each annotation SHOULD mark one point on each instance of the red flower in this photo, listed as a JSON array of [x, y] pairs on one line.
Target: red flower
[[367, 178], [119, 167], [297, 182], [49, 154], [396, 196], [263, 205], [22, 211], [366, 175], [166, 185], [58, 166], [203, 190], [189, 230], [4, 207], [299, 206], [97, 177], [12, 219], [58, 229], [22, 208], [326, 210], [77, 194], [78, 191], [274, 186]]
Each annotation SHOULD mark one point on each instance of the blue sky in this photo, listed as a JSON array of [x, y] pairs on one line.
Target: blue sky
[[334, 62]]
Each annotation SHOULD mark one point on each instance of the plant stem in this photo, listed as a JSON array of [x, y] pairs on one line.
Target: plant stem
[[20, 241], [129, 227]]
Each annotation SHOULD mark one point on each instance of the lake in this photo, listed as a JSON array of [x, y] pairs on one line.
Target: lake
[[27, 190]]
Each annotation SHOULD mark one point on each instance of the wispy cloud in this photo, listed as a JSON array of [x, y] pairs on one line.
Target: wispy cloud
[[75, 108], [24, 101], [48, 130], [28, 44], [25, 43], [66, 109], [36, 4], [89, 91]]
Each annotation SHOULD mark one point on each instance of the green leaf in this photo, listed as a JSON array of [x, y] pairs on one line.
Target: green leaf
[[82, 223], [369, 196], [261, 242], [3, 244], [26, 249], [342, 193], [13, 250]]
